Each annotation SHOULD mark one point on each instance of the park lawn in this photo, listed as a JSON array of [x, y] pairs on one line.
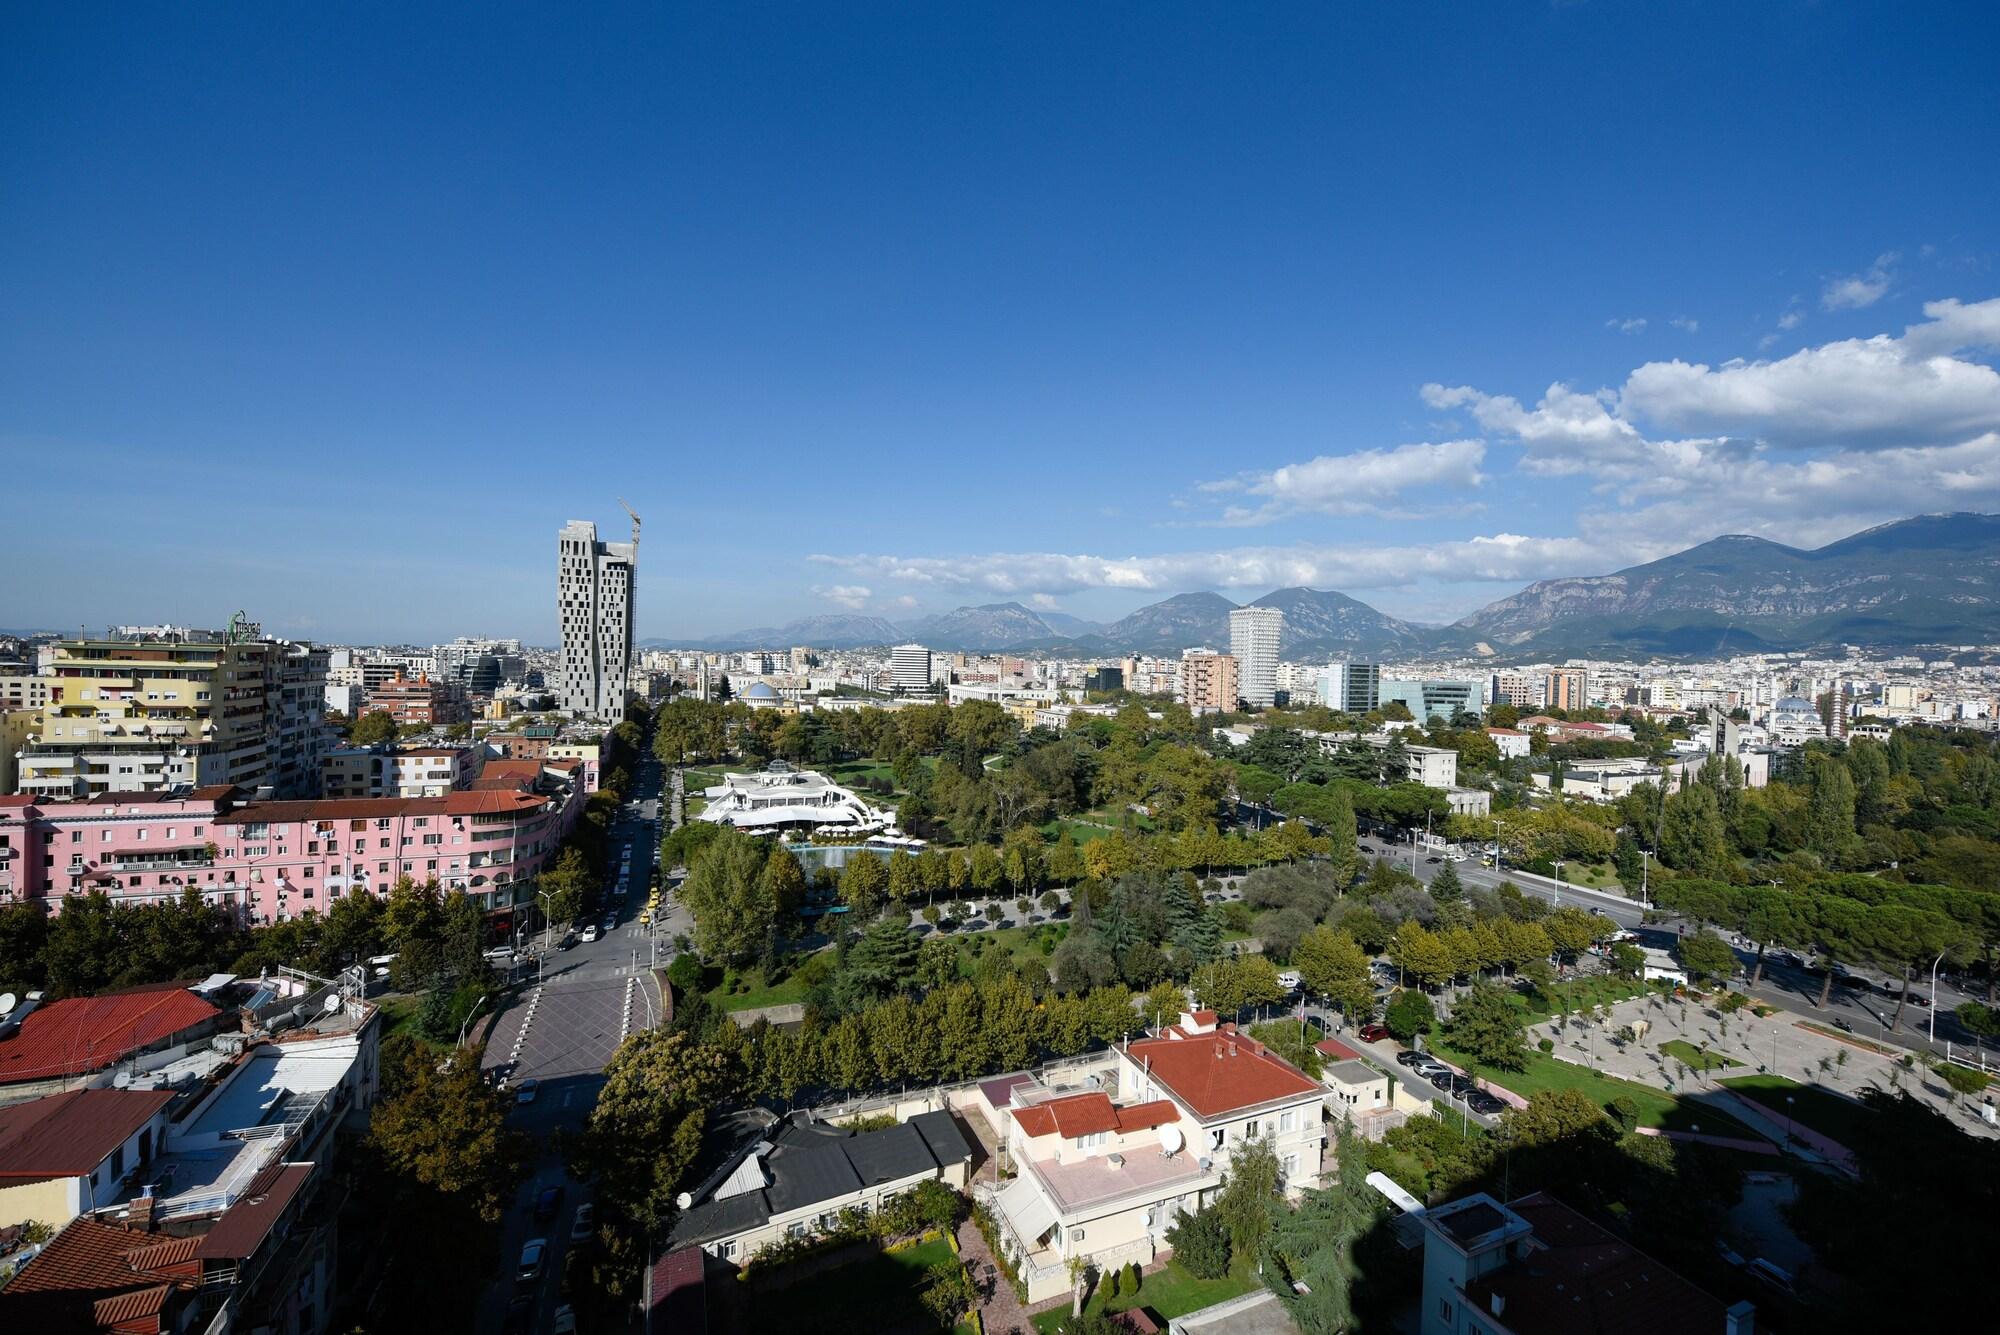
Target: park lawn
[[1827, 1113], [1080, 832], [1657, 1108], [1694, 1058], [1597, 990], [1170, 1292], [879, 1292], [747, 989]]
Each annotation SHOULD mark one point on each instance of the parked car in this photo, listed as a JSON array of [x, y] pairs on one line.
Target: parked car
[[1729, 1255], [585, 1222], [1441, 1079], [1289, 980], [1770, 1274], [1410, 1058], [525, 1091], [530, 1268], [1484, 1104], [520, 1315], [1372, 1033], [590, 933], [568, 940], [564, 1321], [547, 1201]]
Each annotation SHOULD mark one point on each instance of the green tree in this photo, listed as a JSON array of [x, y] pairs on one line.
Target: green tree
[[1332, 965], [1420, 955], [1249, 1197], [1707, 956], [1445, 886], [1201, 1243], [1829, 829], [647, 1124], [1487, 1029], [1408, 1014], [863, 882], [373, 728], [726, 892], [445, 1129]]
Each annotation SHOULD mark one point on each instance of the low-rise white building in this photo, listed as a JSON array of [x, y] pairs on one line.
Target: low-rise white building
[[1102, 1174], [781, 797]]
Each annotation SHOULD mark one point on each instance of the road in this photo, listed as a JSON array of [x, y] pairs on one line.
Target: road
[[568, 1015]]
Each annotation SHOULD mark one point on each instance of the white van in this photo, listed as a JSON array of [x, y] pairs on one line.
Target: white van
[[1289, 980]]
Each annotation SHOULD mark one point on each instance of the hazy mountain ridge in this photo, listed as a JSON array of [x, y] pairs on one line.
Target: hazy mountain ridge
[[1931, 579]]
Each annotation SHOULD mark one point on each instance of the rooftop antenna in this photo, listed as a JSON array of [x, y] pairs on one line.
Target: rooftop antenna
[[635, 524]]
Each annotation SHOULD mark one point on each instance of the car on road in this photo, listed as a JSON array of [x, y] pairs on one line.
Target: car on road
[[1430, 1069], [1484, 1104], [547, 1201], [567, 942], [609, 923], [586, 1220], [525, 1091], [1729, 1255], [530, 1268], [1289, 980], [590, 934], [1451, 1082], [564, 1321], [520, 1315], [1373, 1033], [1411, 1058], [1770, 1274]]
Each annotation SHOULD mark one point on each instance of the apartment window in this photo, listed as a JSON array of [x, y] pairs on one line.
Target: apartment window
[[1290, 1164], [1288, 1120], [118, 1161], [729, 1249], [172, 833], [104, 836], [1444, 1309], [76, 836]]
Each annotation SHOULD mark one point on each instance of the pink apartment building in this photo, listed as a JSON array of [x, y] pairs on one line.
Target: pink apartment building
[[274, 860]]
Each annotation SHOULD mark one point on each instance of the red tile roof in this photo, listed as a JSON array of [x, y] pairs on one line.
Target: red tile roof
[[1218, 1074], [1336, 1049], [69, 1135], [83, 1034], [1088, 1114], [1581, 1279], [244, 1225], [96, 1277]]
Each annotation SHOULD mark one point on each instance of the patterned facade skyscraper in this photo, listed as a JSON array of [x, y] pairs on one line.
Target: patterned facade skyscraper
[[594, 599], [1253, 642]]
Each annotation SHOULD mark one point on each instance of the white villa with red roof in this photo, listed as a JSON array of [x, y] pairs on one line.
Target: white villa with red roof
[[1102, 1174]]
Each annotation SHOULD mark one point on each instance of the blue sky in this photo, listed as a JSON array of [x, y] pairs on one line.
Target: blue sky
[[336, 313]]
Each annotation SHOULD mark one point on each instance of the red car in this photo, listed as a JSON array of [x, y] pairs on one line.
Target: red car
[[1371, 1033]]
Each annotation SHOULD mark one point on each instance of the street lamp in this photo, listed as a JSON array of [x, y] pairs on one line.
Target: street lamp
[[1934, 968], [1559, 883], [468, 1019], [1645, 860], [546, 917]]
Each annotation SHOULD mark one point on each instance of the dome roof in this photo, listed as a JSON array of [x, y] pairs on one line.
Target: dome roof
[[760, 690]]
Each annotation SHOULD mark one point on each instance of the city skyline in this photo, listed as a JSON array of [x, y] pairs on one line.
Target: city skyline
[[1281, 311]]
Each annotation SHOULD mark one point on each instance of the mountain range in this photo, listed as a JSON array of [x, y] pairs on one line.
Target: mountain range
[[1932, 579]]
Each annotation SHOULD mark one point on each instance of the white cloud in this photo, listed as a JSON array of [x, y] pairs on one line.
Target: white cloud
[[1565, 432], [1635, 325], [854, 597], [1044, 602], [1882, 391], [1497, 557], [1853, 292], [1364, 482], [1687, 324], [1791, 319]]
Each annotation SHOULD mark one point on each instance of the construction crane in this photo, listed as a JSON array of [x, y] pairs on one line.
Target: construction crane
[[635, 524]]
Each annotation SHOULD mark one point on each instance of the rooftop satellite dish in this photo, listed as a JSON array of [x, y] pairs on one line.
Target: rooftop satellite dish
[[7, 1002], [331, 1004], [1170, 1138]]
